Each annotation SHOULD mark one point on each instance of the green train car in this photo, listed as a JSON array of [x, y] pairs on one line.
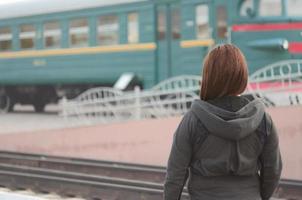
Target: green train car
[[60, 48]]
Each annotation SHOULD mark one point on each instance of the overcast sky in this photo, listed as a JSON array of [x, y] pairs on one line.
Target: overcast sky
[[10, 1]]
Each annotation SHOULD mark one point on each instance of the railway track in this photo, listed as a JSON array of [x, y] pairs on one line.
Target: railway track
[[77, 184], [88, 166], [96, 179], [90, 179]]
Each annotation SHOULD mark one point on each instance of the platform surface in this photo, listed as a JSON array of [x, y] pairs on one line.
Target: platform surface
[[145, 141]]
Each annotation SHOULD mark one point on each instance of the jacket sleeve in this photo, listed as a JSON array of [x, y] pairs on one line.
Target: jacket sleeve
[[271, 163], [179, 160]]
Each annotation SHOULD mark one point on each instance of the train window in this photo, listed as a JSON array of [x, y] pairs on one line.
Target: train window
[[202, 22], [78, 33], [294, 7], [108, 30], [27, 36], [52, 35], [161, 25], [269, 8], [246, 5], [5, 39], [222, 25], [133, 28], [176, 24]]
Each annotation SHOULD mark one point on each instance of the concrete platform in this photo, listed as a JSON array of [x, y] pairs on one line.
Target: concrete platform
[[28, 121], [146, 141], [6, 194]]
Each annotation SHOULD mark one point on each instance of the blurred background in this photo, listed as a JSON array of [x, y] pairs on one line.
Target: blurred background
[[110, 80]]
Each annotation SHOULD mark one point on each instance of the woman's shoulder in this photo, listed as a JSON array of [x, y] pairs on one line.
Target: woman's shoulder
[[194, 125]]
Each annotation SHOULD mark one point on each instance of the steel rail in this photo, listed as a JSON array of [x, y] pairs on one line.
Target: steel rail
[[96, 167], [65, 158], [78, 184], [288, 188]]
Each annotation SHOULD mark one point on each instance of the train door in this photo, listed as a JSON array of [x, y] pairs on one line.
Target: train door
[[168, 39], [221, 31]]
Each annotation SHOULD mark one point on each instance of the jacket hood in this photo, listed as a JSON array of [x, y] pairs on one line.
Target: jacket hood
[[228, 124]]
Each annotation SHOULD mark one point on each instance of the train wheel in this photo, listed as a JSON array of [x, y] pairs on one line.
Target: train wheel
[[5, 103], [39, 107]]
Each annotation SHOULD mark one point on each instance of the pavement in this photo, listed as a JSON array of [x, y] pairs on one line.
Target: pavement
[[6, 194], [144, 141], [24, 119]]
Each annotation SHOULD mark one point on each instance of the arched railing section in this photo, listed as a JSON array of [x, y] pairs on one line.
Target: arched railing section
[[171, 97], [279, 83]]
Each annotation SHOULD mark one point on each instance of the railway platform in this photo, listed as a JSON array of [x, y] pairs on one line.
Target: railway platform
[[6, 194], [145, 141]]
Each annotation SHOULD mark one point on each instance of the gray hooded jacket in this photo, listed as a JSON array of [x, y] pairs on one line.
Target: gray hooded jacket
[[229, 148]]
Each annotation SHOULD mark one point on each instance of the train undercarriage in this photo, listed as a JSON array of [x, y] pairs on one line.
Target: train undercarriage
[[37, 96], [40, 95]]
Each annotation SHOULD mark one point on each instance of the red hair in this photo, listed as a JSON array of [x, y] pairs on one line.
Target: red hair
[[225, 72]]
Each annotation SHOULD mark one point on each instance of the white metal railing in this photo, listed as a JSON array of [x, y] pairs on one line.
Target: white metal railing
[[185, 82], [277, 84], [282, 98], [280, 76], [295, 98], [88, 105], [169, 98]]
